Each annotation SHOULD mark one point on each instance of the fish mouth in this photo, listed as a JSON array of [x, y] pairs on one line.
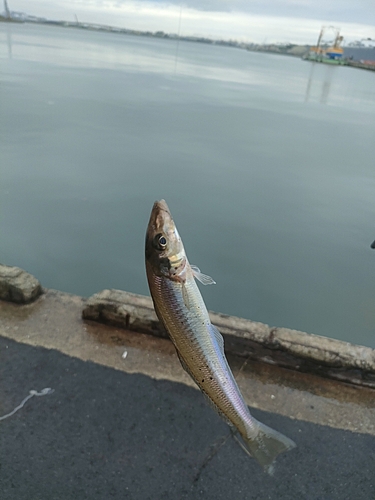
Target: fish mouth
[[161, 206], [160, 218], [169, 261], [173, 257]]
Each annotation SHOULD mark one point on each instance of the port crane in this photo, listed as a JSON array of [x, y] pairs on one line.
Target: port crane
[[335, 51]]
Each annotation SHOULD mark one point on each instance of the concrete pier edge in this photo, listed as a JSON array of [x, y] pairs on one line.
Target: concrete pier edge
[[248, 339], [18, 286], [245, 338]]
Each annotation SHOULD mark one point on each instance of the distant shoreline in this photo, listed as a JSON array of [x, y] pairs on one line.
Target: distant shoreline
[[291, 49], [287, 49]]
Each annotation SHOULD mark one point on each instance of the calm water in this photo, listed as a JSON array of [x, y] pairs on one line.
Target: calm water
[[266, 162]]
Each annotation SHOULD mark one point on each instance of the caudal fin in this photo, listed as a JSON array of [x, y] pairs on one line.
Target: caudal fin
[[267, 445]]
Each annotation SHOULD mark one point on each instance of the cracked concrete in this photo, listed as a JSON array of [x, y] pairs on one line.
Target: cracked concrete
[[214, 449]]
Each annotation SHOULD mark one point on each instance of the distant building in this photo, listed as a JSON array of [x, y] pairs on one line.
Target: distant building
[[359, 53]]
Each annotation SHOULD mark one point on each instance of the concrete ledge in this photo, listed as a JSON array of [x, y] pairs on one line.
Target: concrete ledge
[[16, 285], [248, 339], [124, 309], [281, 346]]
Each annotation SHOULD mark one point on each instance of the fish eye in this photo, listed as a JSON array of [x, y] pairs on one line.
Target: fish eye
[[161, 241]]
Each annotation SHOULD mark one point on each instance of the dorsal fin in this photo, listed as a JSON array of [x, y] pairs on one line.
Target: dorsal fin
[[219, 338]]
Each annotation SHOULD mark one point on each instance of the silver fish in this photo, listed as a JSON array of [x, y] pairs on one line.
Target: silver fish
[[199, 345]]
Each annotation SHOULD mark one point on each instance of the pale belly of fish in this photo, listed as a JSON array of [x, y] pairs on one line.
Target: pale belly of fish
[[200, 347]]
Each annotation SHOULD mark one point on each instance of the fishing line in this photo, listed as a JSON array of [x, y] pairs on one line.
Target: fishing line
[[32, 393], [178, 40], [243, 365]]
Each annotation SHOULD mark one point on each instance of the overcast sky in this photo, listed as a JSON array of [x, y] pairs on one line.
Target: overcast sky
[[297, 21]]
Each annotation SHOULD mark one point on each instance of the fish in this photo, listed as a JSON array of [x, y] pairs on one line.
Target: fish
[[199, 345]]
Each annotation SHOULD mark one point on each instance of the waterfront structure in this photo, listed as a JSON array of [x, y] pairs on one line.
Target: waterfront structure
[[6, 10], [323, 53]]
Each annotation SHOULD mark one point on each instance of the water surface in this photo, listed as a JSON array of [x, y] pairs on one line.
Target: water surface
[[267, 163]]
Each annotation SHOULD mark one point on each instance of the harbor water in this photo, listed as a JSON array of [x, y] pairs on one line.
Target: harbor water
[[266, 162]]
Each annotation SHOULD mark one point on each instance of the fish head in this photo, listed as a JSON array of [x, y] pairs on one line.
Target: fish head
[[165, 253]]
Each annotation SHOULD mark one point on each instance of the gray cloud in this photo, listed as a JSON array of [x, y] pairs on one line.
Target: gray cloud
[[354, 11]]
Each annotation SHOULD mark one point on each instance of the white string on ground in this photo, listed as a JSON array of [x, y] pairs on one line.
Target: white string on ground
[[32, 393]]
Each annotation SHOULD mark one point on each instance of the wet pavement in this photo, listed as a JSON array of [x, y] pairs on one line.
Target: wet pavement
[[134, 428]]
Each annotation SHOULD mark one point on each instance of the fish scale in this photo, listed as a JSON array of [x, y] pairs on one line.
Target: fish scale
[[200, 346]]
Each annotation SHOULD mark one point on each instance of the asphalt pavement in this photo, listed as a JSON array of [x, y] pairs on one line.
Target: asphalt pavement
[[106, 434]]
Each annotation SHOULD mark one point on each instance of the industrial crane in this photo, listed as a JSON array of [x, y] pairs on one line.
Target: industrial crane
[[333, 52]]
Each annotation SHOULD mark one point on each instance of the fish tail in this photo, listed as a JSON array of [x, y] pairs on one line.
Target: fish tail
[[265, 444]]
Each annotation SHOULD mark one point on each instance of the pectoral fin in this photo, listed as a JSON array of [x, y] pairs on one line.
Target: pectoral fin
[[203, 278]]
